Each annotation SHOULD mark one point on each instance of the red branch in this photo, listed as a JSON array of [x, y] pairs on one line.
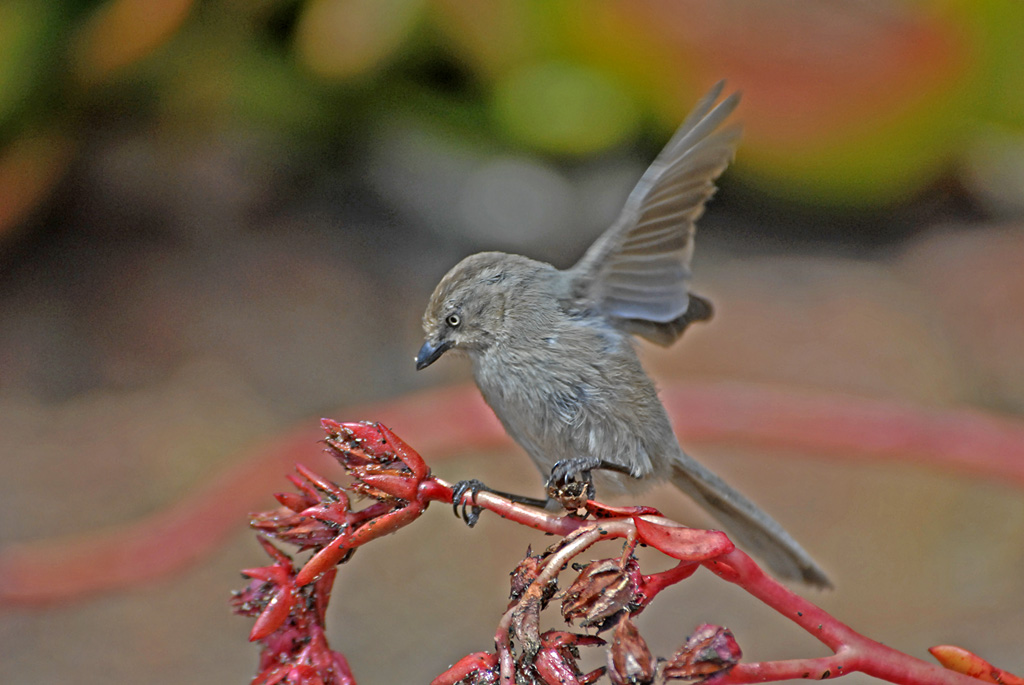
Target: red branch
[[289, 603], [853, 651], [452, 420]]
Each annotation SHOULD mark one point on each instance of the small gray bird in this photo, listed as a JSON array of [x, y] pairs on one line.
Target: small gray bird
[[552, 351]]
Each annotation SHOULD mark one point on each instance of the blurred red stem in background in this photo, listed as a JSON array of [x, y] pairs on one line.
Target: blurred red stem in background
[[455, 419]]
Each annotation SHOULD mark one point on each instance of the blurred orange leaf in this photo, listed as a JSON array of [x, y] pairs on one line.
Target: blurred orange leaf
[[29, 167], [122, 32], [344, 38]]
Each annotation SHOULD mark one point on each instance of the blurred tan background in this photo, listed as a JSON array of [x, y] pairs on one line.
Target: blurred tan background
[[219, 219]]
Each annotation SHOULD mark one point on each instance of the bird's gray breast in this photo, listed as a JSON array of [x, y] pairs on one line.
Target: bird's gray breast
[[573, 392]]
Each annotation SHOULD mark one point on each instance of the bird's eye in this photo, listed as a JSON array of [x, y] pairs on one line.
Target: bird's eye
[[453, 320]]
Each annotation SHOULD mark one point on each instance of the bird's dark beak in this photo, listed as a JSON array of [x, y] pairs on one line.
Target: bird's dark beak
[[430, 353]]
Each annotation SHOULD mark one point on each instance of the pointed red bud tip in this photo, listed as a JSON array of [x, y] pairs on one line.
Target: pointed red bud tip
[[251, 600], [602, 591], [362, 434], [962, 661], [266, 574], [303, 531], [274, 615], [322, 484], [322, 561], [680, 542], [274, 553], [330, 426], [408, 455], [483, 666], [387, 484], [293, 501], [331, 513], [710, 650], [357, 444], [629, 660], [305, 488]]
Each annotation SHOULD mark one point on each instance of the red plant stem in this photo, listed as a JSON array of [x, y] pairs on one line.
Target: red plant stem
[[853, 651], [449, 420], [538, 519], [797, 669], [503, 647]]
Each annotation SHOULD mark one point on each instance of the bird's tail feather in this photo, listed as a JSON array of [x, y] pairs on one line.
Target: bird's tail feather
[[747, 525]]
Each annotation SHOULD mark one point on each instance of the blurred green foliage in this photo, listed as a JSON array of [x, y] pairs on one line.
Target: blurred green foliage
[[849, 104], [27, 41], [542, 105]]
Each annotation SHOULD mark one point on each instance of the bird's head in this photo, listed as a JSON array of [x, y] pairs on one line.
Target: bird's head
[[469, 308]]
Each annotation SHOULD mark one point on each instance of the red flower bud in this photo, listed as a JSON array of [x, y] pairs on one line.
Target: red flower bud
[[629, 660], [601, 592], [710, 650]]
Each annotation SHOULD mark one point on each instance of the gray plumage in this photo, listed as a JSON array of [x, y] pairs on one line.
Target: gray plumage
[[552, 351]]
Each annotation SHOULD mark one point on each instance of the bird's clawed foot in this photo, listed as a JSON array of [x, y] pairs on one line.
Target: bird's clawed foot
[[571, 483], [470, 514]]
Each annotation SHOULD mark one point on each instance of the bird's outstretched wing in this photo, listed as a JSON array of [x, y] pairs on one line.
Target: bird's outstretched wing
[[638, 271]]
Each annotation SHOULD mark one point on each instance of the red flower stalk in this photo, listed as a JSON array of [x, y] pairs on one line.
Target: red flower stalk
[[289, 603]]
